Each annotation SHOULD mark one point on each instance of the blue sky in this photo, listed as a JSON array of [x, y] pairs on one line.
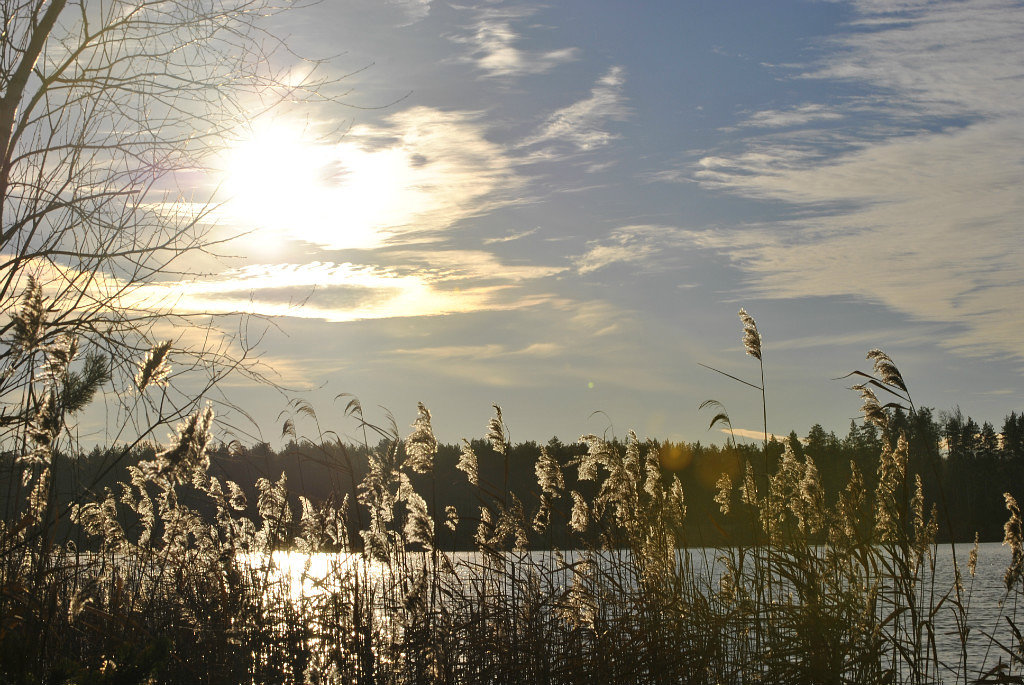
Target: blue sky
[[560, 209]]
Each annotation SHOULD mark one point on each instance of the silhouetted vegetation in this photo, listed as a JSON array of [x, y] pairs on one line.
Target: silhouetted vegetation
[[160, 569], [958, 479]]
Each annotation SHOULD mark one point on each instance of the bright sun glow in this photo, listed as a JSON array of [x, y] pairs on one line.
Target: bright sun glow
[[285, 186]]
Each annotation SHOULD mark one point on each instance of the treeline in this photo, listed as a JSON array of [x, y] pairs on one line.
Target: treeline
[[964, 468]]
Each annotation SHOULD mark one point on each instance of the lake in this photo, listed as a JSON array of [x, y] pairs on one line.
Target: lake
[[309, 577]]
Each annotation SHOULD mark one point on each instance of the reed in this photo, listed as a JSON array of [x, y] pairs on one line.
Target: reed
[[174, 575]]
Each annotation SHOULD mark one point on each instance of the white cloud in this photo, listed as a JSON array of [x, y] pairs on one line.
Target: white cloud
[[414, 10], [751, 434], [936, 58], [583, 124], [864, 338], [458, 265], [494, 47], [931, 229], [637, 245], [496, 365], [350, 292], [795, 116], [454, 282], [509, 238], [542, 348], [594, 318], [487, 352], [922, 218]]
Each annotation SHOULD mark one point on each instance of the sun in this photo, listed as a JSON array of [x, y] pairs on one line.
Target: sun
[[282, 184], [269, 167]]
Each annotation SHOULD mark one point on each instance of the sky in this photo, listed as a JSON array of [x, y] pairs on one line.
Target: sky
[[560, 208]]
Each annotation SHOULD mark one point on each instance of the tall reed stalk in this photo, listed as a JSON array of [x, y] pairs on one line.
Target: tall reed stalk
[[174, 575]]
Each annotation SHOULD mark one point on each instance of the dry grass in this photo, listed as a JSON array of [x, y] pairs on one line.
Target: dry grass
[[196, 593], [170, 576]]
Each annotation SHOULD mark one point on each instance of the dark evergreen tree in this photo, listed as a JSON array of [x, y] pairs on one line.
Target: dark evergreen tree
[[1013, 436]]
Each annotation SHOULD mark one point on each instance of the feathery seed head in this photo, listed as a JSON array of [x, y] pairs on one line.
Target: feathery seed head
[[419, 526], [496, 433], [488, 533], [187, 458], [272, 502], [549, 474], [723, 494], [631, 463], [901, 454], [849, 505], [39, 496], [598, 453], [811, 514], [421, 445], [892, 468], [43, 428], [677, 500], [29, 321], [580, 517], [751, 337], [77, 604], [871, 409], [748, 491], [924, 529], [515, 523], [789, 472], [154, 369], [468, 464], [917, 503], [885, 369], [236, 497], [542, 519], [1013, 537], [58, 355], [652, 468], [451, 520]]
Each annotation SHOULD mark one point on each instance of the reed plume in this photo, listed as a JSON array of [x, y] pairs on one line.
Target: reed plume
[[155, 369], [1013, 537]]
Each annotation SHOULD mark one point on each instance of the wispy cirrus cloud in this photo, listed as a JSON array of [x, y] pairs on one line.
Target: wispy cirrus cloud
[[794, 116], [937, 58], [583, 125], [486, 352], [635, 245], [914, 202], [494, 46], [414, 284], [512, 236], [541, 348], [466, 282], [414, 10], [460, 265]]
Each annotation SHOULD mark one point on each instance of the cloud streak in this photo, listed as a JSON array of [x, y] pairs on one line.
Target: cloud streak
[[795, 116], [351, 292], [921, 212], [494, 47], [639, 245], [583, 124]]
